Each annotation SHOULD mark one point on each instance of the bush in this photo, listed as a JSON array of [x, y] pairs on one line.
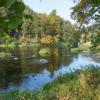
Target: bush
[[44, 52]]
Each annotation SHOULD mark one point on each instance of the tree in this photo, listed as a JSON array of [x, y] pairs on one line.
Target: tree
[[26, 27], [71, 34], [55, 23], [10, 17], [85, 11]]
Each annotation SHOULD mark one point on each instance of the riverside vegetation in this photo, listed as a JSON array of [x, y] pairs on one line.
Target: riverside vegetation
[[20, 26], [82, 84]]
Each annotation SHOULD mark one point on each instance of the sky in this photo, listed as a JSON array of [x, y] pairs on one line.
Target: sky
[[46, 6]]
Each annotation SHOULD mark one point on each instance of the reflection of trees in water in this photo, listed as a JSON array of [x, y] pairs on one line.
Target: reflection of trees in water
[[96, 58], [58, 58], [9, 74], [14, 71], [64, 56]]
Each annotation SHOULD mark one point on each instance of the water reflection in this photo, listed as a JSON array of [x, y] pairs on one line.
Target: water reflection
[[23, 74]]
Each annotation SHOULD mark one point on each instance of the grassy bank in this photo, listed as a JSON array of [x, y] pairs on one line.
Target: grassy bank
[[79, 85]]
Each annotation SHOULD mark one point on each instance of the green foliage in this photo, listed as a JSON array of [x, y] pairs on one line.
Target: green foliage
[[70, 34], [75, 50], [37, 25], [44, 52], [67, 31], [11, 18], [6, 3], [54, 23], [4, 55], [14, 22], [3, 25], [17, 95], [3, 34], [97, 39], [15, 15], [86, 10], [17, 8], [4, 37]]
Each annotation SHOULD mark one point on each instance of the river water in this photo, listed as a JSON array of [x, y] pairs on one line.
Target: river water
[[22, 70]]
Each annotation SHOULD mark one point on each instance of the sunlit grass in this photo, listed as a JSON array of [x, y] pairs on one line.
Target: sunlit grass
[[76, 50]]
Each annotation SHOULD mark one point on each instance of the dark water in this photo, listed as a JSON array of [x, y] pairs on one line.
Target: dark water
[[22, 71]]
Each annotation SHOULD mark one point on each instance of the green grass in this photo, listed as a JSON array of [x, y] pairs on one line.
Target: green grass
[[97, 50], [13, 45], [44, 52], [75, 50], [78, 85], [7, 46]]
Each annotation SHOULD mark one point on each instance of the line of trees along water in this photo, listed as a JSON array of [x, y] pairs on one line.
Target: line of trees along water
[[19, 23]]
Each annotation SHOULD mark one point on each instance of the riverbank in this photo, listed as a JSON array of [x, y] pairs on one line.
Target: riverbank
[[78, 85]]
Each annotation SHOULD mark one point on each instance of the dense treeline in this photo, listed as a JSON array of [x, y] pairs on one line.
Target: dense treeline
[[47, 28], [37, 24], [19, 23]]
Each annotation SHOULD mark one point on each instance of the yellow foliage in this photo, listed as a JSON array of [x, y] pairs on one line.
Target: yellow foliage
[[23, 38], [48, 39]]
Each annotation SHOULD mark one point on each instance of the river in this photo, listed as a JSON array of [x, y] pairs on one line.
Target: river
[[22, 70]]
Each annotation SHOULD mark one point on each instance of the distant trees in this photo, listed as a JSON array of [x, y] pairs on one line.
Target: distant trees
[[26, 26], [14, 15], [67, 31], [70, 34], [55, 23], [38, 25]]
